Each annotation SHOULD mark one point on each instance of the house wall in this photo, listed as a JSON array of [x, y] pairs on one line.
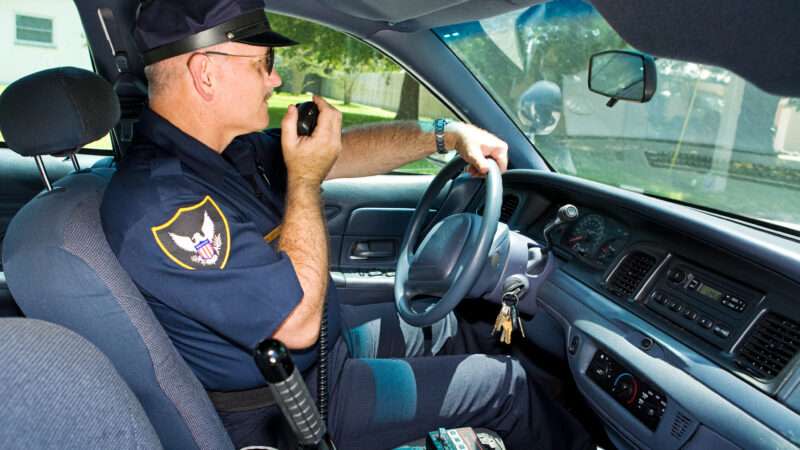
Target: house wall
[[69, 48]]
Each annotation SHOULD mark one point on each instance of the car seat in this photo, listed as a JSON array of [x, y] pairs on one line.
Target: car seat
[[60, 268], [60, 392]]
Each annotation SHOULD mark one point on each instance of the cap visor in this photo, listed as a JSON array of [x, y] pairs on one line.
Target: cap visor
[[267, 39]]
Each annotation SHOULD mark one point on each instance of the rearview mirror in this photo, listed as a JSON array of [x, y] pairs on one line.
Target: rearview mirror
[[622, 75]]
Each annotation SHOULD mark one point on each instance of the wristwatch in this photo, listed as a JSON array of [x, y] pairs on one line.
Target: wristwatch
[[438, 132]]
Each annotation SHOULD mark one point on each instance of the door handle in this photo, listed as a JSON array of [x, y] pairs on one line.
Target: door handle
[[372, 249]]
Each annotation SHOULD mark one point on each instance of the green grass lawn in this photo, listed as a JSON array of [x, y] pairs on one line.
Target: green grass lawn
[[352, 114]]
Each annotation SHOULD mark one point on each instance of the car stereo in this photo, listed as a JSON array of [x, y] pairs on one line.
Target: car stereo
[[714, 308]]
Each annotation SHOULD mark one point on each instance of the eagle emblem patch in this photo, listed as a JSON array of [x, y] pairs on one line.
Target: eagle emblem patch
[[196, 236]]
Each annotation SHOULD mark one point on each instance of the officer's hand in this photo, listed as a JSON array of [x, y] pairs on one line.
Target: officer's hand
[[475, 145], [310, 158]]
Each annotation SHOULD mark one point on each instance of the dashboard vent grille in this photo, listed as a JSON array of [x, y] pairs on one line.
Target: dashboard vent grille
[[630, 274], [510, 203], [774, 341], [680, 425]]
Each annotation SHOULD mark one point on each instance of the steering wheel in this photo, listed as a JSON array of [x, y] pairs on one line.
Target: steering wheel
[[449, 260]]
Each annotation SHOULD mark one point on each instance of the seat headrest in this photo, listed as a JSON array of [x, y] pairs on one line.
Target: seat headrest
[[57, 111]]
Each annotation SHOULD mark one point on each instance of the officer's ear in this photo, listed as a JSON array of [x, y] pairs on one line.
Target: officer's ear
[[200, 68]]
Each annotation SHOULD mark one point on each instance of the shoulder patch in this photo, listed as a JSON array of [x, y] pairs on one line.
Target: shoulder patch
[[196, 236]]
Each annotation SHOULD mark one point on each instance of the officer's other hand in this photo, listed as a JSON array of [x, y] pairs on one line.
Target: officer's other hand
[[310, 158], [475, 145]]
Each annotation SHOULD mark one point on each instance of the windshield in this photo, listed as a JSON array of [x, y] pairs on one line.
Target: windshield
[[707, 137]]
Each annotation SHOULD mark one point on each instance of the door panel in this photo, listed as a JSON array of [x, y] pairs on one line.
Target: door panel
[[371, 208], [367, 220], [373, 237]]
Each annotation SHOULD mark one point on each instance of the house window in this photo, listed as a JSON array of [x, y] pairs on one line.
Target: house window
[[36, 30]]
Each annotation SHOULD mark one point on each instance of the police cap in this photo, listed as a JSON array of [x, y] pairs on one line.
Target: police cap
[[167, 28]]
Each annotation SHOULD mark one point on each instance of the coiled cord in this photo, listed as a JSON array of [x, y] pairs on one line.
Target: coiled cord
[[322, 385]]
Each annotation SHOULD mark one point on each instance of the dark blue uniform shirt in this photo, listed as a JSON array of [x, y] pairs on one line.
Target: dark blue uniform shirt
[[196, 231]]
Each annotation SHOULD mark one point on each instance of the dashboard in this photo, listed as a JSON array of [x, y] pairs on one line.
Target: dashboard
[[682, 327]]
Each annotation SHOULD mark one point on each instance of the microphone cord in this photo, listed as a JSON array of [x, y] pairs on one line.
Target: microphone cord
[[322, 385]]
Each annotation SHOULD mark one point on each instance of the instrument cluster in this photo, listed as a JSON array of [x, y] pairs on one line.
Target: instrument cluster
[[594, 238]]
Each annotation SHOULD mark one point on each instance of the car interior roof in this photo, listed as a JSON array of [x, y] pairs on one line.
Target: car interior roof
[[754, 39]]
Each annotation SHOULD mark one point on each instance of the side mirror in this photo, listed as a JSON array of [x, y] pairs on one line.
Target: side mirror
[[623, 75]]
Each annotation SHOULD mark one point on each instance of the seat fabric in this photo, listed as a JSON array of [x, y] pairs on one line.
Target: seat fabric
[[60, 268], [60, 392]]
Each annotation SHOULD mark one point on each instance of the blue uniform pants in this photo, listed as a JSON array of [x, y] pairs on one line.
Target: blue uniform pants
[[392, 383]]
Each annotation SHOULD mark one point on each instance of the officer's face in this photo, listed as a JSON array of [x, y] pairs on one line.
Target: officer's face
[[249, 86]]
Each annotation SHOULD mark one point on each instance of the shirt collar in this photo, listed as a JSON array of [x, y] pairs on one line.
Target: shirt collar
[[199, 157]]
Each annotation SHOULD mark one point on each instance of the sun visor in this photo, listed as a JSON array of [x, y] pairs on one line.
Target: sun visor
[[412, 15], [757, 40], [395, 12]]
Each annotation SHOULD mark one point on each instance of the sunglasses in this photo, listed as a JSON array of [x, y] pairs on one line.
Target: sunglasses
[[269, 58]]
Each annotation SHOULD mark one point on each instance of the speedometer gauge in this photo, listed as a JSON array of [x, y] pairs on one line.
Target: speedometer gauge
[[586, 235]]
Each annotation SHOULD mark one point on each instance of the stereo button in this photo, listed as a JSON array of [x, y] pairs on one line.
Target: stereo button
[[722, 332], [677, 276], [706, 323]]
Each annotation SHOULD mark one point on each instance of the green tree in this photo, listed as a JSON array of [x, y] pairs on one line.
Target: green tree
[[408, 109], [327, 53], [561, 44], [553, 40]]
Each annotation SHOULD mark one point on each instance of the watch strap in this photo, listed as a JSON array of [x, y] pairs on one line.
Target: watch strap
[[438, 132]]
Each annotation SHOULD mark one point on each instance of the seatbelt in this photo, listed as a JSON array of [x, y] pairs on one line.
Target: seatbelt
[[130, 89], [238, 401]]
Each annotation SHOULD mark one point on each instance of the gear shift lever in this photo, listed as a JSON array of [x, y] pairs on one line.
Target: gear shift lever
[[538, 256], [566, 214]]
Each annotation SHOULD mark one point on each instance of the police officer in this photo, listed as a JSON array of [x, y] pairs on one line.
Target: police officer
[[221, 228]]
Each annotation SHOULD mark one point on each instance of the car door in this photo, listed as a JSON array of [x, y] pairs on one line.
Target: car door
[[366, 221]]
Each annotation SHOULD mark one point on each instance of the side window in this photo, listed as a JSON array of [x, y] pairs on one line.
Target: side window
[[365, 85], [41, 35]]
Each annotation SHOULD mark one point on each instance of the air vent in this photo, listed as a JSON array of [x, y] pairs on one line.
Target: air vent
[[510, 203], [680, 425], [769, 347], [507, 208], [630, 274]]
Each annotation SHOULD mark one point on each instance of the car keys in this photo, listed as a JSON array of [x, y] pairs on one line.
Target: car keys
[[508, 320], [504, 324]]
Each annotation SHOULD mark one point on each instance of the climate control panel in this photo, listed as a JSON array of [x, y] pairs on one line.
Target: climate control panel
[[644, 401]]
